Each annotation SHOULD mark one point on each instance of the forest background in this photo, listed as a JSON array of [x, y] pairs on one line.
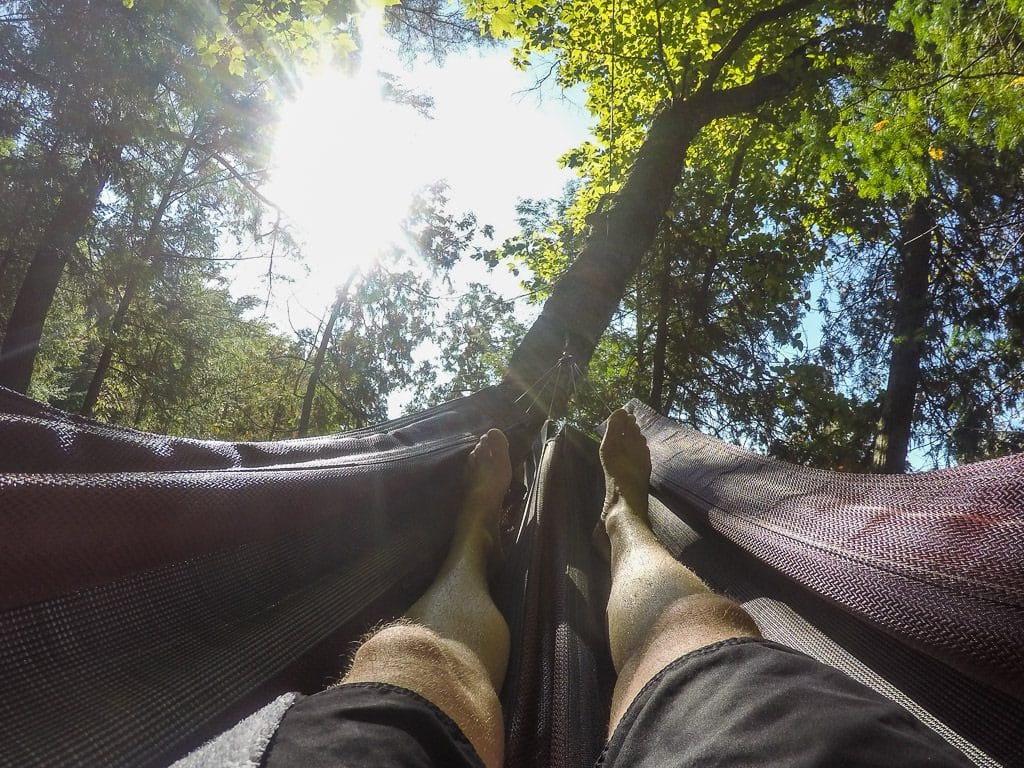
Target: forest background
[[755, 168]]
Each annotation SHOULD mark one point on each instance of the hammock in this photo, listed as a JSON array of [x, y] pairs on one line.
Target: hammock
[[157, 590]]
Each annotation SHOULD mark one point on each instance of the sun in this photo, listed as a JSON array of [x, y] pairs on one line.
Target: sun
[[346, 164]]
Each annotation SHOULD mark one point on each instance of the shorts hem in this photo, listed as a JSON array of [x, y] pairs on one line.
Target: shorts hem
[[640, 698], [450, 725]]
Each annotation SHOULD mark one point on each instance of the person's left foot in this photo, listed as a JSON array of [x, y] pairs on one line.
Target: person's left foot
[[488, 476], [490, 469], [626, 460]]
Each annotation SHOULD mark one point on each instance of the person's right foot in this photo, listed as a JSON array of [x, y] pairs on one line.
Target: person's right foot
[[627, 467]]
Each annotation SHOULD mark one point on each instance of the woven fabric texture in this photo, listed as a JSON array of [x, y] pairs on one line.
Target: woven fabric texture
[[935, 559], [553, 592], [149, 584], [980, 721], [156, 590]]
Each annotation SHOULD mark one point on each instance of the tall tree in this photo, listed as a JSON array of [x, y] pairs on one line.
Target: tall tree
[[148, 253], [316, 368], [105, 77], [758, 55], [902, 141], [911, 311], [893, 66], [934, 328], [84, 113]]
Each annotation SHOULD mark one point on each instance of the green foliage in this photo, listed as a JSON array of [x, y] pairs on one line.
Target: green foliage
[[474, 341], [265, 37], [739, 249], [896, 103], [143, 289], [969, 393], [820, 426], [403, 334], [725, 297], [189, 362], [961, 85], [546, 241]]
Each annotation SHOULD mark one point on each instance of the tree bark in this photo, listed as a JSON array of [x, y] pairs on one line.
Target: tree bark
[[911, 310], [321, 353], [133, 283], [25, 324]]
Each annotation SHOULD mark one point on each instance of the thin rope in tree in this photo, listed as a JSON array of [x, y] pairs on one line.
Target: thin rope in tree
[[612, 170]]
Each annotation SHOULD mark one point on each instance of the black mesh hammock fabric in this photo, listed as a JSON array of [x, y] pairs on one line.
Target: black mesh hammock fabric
[[155, 590]]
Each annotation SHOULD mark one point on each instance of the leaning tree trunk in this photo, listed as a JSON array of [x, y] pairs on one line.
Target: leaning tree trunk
[[321, 353], [92, 392], [913, 304], [25, 324], [134, 282], [582, 302]]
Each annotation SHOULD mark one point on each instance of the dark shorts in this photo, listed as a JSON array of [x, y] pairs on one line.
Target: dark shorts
[[368, 724], [737, 703], [747, 702]]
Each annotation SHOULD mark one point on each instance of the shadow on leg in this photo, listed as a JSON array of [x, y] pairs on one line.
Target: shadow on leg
[[680, 627]]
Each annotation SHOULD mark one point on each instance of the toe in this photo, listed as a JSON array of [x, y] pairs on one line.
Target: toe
[[496, 439], [615, 421]]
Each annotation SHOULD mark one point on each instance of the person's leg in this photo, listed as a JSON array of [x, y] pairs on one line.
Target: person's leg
[[452, 648], [658, 610]]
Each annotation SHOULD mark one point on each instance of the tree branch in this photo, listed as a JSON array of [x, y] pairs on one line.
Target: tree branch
[[240, 178], [796, 66], [743, 33], [661, 48], [213, 154]]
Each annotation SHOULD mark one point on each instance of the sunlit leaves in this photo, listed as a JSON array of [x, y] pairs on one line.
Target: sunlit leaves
[[266, 35], [632, 58]]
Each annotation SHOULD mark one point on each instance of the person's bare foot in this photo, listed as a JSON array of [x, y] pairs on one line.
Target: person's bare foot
[[488, 476], [627, 468]]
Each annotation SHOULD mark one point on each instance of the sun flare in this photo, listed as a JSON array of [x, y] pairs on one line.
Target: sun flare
[[346, 166]]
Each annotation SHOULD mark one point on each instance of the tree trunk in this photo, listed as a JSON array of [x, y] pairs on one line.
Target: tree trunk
[[321, 353], [25, 324], [657, 395], [640, 342], [912, 307], [582, 302], [92, 392], [134, 282]]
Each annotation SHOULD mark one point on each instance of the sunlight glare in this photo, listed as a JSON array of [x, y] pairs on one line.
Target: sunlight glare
[[346, 165]]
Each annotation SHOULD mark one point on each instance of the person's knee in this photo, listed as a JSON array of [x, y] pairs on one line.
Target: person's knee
[[691, 622], [444, 672], [684, 625], [414, 652], [402, 645], [702, 619]]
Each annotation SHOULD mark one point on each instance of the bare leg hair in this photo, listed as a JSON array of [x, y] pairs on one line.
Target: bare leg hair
[[658, 609], [452, 646]]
